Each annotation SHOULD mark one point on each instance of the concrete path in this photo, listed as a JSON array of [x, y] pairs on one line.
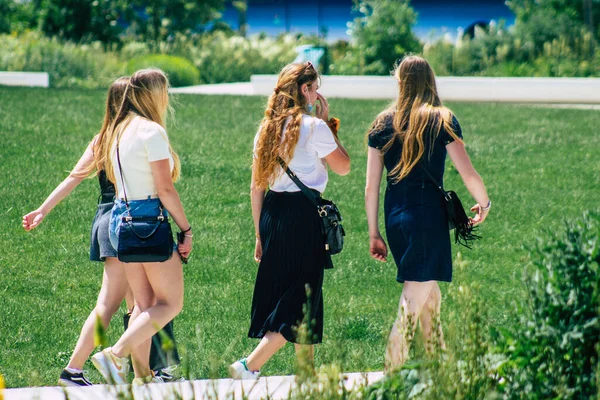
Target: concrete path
[[238, 89], [271, 387], [595, 107], [249, 89]]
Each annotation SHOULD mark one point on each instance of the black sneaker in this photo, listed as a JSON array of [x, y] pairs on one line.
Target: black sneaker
[[69, 379], [169, 374]]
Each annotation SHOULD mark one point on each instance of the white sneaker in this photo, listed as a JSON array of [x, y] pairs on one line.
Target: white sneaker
[[147, 379], [171, 373], [239, 370], [114, 369]]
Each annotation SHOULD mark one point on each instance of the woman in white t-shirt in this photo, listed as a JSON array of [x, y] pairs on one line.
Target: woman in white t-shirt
[[289, 242], [149, 168]]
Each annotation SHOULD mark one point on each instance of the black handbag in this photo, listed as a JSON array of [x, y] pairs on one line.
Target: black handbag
[[331, 219], [457, 217], [143, 239]]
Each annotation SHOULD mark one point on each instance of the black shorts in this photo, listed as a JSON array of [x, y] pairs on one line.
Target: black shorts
[[100, 246]]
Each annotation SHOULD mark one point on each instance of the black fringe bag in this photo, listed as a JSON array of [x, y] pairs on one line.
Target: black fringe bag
[[464, 231]]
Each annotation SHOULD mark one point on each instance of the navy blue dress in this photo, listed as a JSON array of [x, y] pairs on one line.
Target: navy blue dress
[[416, 223]]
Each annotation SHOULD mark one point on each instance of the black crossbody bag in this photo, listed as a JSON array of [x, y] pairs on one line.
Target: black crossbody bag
[[457, 217], [331, 219], [143, 239]]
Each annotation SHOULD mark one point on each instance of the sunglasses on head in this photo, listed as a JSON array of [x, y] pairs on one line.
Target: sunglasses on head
[[308, 65]]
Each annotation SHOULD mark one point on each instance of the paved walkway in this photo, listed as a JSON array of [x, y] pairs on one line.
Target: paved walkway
[[247, 89], [272, 387], [239, 89]]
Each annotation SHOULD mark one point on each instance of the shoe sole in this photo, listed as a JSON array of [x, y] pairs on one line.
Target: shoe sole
[[118, 380], [68, 383], [233, 373]]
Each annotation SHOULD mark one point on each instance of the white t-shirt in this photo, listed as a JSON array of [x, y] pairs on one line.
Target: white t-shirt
[[142, 142], [315, 143]]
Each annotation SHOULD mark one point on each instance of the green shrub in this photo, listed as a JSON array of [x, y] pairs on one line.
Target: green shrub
[[68, 64], [181, 71], [567, 52], [552, 350], [226, 58]]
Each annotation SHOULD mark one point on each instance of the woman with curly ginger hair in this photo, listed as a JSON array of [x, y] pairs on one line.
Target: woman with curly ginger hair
[[289, 243]]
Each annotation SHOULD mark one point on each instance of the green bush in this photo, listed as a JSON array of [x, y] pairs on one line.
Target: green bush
[[226, 58], [68, 64], [552, 350], [501, 52], [181, 71]]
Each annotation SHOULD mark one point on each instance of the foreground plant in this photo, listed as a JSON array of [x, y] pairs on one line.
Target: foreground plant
[[552, 350]]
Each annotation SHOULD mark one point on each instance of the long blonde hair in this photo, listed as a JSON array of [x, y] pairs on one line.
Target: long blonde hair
[[114, 98], [417, 112], [285, 101], [145, 96]]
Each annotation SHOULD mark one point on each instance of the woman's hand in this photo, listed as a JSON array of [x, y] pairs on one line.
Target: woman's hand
[[378, 248], [33, 219], [480, 214], [185, 247], [258, 250], [322, 108]]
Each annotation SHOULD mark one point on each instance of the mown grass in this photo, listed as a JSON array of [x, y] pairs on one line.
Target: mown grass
[[539, 164]]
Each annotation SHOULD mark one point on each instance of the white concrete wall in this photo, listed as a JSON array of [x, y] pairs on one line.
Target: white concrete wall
[[517, 90], [25, 79]]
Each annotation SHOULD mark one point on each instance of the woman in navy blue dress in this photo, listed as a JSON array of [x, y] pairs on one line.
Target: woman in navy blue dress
[[409, 138]]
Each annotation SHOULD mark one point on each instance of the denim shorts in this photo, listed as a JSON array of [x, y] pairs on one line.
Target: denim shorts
[[137, 208]]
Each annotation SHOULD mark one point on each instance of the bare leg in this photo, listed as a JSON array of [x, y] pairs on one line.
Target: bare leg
[[112, 292], [129, 300], [141, 355], [268, 346], [158, 292], [413, 298], [430, 321]]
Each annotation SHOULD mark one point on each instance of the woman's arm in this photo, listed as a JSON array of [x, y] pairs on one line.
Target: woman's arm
[[338, 160], [257, 197], [377, 247], [472, 180], [34, 218], [161, 172]]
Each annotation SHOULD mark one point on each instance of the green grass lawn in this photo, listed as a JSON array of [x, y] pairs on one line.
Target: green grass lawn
[[540, 165]]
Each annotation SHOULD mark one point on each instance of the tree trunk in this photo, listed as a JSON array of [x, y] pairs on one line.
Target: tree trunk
[[156, 22], [588, 14]]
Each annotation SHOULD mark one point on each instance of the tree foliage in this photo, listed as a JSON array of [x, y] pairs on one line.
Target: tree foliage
[[383, 33], [81, 20], [108, 21], [159, 20], [543, 21]]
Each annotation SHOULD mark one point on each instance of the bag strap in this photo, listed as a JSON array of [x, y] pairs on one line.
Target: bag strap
[[121, 171], [303, 188], [440, 188], [160, 216]]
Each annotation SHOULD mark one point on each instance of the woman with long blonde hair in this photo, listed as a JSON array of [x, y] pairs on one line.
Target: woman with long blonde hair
[[289, 247], [139, 159], [114, 284], [411, 139]]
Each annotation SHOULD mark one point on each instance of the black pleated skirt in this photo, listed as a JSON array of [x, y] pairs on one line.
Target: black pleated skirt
[[288, 296]]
